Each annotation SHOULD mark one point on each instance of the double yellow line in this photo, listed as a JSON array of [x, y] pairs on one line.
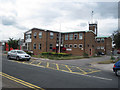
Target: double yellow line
[[21, 82]]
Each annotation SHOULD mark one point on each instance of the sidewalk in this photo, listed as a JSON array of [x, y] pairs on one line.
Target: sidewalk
[[106, 67]]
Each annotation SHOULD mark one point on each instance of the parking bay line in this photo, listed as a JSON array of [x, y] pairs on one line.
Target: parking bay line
[[76, 72]]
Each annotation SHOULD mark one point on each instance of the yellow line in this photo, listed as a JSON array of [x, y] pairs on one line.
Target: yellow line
[[68, 68], [31, 62], [47, 64], [21, 81], [57, 67], [39, 63], [81, 70]]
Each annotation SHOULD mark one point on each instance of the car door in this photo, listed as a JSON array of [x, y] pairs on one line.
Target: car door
[[13, 54]]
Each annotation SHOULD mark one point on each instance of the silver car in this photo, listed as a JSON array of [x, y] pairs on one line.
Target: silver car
[[18, 55]]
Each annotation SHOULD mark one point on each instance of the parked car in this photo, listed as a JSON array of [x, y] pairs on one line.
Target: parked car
[[116, 68], [18, 55]]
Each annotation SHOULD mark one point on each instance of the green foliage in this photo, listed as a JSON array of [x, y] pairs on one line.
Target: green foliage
[[116, 39], [13, 43], [85, 55], [112, 58], [29, 53]]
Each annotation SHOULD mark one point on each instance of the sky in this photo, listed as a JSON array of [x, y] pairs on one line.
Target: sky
[[19, 16]]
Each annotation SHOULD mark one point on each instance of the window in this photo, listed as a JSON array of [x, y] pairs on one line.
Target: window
[[80, 45], [102, 47], [98, 40], [40, 46], [70, 45], [70, 36], [34, 46], [35, 35], [51, 46], [75, 36], [102, 40], [80, 35], [40, 34], [98, 47], [66, 45], [75, 45], [51, 35], [66, 37]]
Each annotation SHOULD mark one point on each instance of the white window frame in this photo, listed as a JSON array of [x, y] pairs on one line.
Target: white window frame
[[40, 34], [75, 35], [35, 34], [66, 45], [66, 36], [98, 47], [74, 45], [79, 45], [102, 47], [34, 45], [51, 35], [102, 39], [70, 36], [80, 36], [69, 45], [40, 45], [50, 46]]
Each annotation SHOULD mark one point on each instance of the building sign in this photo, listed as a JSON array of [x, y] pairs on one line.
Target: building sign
[[68, 49]]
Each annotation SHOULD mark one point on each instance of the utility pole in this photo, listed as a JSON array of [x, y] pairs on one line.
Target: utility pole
[[60, 38]]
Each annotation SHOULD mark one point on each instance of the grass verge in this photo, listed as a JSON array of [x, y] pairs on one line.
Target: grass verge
[[107, 62]]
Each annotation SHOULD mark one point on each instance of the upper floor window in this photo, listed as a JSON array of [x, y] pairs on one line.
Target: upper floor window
[[35, 35], [80, 35], [70, 36], [34, 46], [98, 40], [51, 35], [98, 47], [40, 46], [40, 34], [50, 47], [75, 36], [102, 40], [66, 36], [102, 47]]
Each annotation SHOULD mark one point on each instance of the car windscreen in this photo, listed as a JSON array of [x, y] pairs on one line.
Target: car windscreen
[[20, 52]]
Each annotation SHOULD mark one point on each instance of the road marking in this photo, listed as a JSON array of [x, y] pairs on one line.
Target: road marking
[[57, 67], [31, 62], [47, 64], [21, 81], [68, 68], [81, 70], [39, 63]]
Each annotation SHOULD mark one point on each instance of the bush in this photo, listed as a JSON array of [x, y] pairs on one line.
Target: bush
[[85, 55], [29, 53], [112, 58]]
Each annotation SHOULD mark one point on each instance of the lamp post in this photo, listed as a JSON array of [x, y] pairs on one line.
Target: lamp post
[[60, 38]]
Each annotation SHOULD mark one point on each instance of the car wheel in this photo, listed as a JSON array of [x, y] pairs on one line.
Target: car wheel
[[17, 58], [8, 57], [116, 72]]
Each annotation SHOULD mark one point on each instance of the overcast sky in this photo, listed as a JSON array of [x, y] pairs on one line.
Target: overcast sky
[[18, 16]]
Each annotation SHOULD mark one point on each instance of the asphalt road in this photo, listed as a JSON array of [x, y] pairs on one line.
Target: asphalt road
[[52, 78]]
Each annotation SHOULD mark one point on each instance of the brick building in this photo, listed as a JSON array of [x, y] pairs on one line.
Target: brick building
[[76, 43]]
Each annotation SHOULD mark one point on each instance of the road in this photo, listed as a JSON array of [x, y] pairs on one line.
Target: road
[[34, 74]]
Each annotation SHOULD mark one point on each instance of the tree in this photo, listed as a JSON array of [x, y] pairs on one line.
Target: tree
[[13, 43], [116, 39]]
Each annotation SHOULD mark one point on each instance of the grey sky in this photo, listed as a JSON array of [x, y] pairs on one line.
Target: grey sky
[[18, 16]]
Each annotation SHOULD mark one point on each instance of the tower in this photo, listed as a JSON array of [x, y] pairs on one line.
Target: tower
[[93, 24]]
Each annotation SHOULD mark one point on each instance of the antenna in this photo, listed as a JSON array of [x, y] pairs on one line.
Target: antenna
[[92, 16]]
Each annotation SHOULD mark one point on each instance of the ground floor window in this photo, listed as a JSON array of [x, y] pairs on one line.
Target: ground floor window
[[40, 46], [66, 45], [51, 46], [70, 45], [80, 46], [75, 45]]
